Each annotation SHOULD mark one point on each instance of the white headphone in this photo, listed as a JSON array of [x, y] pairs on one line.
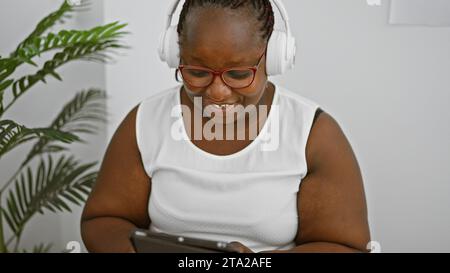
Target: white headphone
[[280, 50]]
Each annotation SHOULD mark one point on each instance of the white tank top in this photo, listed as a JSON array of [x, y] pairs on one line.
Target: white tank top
[[249, 196]]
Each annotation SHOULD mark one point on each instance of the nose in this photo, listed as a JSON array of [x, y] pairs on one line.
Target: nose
[[218, 90]]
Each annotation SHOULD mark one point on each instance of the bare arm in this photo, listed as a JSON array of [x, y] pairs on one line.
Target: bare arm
[[331, 201], [118, 202]]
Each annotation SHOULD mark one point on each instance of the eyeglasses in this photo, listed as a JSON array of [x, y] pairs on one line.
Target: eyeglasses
[[236, 78]]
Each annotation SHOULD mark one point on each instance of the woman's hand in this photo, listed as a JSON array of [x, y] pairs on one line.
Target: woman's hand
[[239, 247]]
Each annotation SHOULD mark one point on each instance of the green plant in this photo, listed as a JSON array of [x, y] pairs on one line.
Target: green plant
[[49, 178]]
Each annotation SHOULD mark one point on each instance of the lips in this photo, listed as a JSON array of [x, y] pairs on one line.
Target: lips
[[223, 107], [209, 107], [210, 102]]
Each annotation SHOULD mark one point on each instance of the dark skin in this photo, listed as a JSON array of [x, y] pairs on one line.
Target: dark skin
[[202, 45], [331, 201]]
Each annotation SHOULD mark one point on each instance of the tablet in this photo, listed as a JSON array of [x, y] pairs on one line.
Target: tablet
[[146, 241]]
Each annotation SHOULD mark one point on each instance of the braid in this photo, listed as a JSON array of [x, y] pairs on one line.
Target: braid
[[262, 9]]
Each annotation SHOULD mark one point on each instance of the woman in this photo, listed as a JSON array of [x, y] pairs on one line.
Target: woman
[[300, 192]]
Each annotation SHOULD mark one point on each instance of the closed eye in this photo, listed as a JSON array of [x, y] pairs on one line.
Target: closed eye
[[197, 73], [239, 74]]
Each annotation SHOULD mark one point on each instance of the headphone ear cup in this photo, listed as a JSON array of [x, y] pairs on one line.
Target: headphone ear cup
[[292, 51], [161, 46], [169, 49], [276, 53], [279, 59]]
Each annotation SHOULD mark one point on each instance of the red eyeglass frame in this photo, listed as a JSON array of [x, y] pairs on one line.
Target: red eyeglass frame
[[220, 73]]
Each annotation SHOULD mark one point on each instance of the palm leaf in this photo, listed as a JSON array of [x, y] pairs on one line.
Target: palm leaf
[[96, 51], [75, 117], [40, 248], [13, 134], [3, 86], [38, 45], [9, 65], [49, 21], [51, 186]]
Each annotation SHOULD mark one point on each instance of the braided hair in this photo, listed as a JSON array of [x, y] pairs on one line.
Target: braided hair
[[261, 9]]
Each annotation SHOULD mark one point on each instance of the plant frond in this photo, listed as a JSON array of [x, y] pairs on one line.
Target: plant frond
[[65, 38], [75, 117], [71, 53], [49, 21], [7, 67], [40, 248], [52, 186], [13, 134]]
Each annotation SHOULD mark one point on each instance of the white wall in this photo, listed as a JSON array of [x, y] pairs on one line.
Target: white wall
[[387, 86], [39, 106]]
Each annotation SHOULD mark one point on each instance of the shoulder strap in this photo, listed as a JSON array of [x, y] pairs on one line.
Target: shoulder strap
[[318, 111]]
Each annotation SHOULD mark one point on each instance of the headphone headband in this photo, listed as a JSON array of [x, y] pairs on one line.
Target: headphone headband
[[281, 47], [278, 4]]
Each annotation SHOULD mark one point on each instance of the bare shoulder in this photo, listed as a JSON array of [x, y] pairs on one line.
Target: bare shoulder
[[123, 141], [326, 137], [331, 203], [127, 128], [122, 188]]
